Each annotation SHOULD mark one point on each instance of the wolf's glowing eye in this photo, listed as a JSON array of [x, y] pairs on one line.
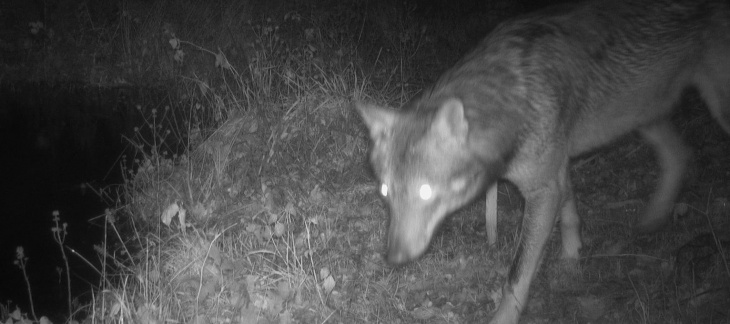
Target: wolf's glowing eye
[[425, 192], [384, 190]]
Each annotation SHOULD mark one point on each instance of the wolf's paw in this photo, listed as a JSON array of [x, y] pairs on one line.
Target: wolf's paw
[[566, 275]]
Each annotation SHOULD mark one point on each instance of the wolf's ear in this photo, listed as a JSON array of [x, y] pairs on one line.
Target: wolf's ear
[[379, 120], [450, 122]]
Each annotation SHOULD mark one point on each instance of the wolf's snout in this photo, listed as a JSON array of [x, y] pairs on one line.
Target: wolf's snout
[[406, 242], [397, 255]]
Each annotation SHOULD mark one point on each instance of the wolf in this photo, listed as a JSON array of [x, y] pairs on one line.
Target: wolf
[[536, 92]]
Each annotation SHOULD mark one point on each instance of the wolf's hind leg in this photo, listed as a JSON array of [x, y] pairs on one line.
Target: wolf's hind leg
[[712, 79], [673, 157], [570, 228], [712, 75], [491, 215], [566, 274]]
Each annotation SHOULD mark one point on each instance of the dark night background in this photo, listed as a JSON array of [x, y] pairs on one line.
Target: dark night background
[[43, 172]]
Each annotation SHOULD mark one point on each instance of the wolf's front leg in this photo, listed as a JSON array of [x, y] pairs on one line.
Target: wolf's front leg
[[543, 201]]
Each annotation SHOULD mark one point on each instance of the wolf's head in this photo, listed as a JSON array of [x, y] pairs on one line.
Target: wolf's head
[[430, 163]]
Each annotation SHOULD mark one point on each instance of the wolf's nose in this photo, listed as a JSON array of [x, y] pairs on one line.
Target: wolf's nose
[[397, 256], [400, 253]]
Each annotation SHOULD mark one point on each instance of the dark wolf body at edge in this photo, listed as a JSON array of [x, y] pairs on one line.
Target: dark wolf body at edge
[[536, 92]]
